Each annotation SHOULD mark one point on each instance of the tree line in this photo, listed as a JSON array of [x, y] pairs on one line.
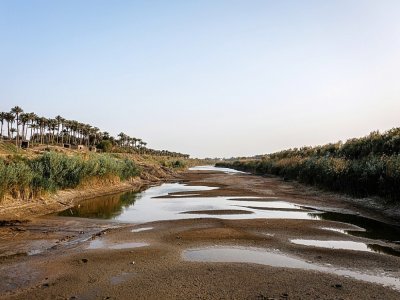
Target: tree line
[[366, 166], [21, 126]]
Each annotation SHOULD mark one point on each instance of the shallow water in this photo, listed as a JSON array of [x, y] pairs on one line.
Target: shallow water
[[276, 259], [172, 201], [335, 229], [100, 244], [216, 169], [347, 245], [370, 228], [153, 205], [141, 229]]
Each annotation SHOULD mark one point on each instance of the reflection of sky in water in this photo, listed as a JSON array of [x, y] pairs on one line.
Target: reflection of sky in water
[[276, 259], [100, 244], [347, 245], [368, 228], [216, 169], [146, 206]]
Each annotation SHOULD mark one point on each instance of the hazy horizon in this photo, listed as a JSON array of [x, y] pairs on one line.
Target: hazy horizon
[[207, 78]]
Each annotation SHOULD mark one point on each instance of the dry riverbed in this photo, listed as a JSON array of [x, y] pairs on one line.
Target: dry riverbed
[[214, 256]]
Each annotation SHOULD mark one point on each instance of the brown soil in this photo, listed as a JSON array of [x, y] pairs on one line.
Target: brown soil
[[67, 269]]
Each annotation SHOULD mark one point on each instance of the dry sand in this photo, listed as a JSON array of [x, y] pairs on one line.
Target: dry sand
[[68, 269]]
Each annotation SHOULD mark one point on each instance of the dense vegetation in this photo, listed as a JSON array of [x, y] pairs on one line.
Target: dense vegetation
[[26, 178], [60, 131], [367, 166]]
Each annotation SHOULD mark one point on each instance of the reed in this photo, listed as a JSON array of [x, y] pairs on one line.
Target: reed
[[25, 178], [367, 166]]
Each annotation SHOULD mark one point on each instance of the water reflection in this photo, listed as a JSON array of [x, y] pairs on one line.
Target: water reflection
[[276, 259], [104, 207], [153, 205], [216, 169], [373, 229], [383, 249], [100, 244], [346, 245], [156, 204]]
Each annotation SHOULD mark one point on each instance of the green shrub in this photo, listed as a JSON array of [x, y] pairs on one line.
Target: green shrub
[[53, 171], [367, 176], [105, 145]]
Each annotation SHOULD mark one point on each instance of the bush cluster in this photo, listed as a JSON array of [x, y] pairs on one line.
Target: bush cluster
[[174, 163], [25, 178], [368, 166]]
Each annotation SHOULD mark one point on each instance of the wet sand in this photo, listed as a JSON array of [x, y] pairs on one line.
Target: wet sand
[[95, 259]]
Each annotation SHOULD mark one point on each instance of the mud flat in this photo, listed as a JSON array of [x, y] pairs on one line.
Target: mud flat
[[212, 234]]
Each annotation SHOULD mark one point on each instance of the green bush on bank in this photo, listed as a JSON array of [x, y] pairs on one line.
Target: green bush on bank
[[367, 166], [175, 163], [369, 176], [53, 171]]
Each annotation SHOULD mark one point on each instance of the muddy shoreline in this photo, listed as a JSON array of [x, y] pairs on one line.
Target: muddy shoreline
[[69, 268], [19, 209]]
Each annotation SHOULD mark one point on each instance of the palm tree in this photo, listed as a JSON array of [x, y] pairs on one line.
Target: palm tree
[[34, 127], [51, 126], [59, 120], [10, 120], [32, 118], [12, 130], [105, 135], [17, 111], [2, 119], [24, 119], [122, 137], [41, 122], [74, 130], [67, 127]]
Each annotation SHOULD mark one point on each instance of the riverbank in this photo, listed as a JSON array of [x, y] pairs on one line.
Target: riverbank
[[151, 172], [100, 259], [374, 206]]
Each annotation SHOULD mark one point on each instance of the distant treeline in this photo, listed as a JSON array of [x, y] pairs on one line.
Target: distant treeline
[[22, 127], [27, 178], [367, 166]]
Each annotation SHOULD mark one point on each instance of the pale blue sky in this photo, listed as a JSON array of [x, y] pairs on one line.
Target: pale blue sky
[[208, 78]]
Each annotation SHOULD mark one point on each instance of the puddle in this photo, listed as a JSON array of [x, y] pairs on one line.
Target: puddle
[[218, 212], [147, 206], [384, 249], [216, 169], [39, 246], [34, 252], [256, 199], [141, 229], [100, 244], [372, 229], [103, 207], [346, 245], [334, 229], [269, 204], [272, 208], [276, 259], [183, 195]]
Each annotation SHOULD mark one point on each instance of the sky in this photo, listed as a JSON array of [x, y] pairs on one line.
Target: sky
[[208, 78]]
